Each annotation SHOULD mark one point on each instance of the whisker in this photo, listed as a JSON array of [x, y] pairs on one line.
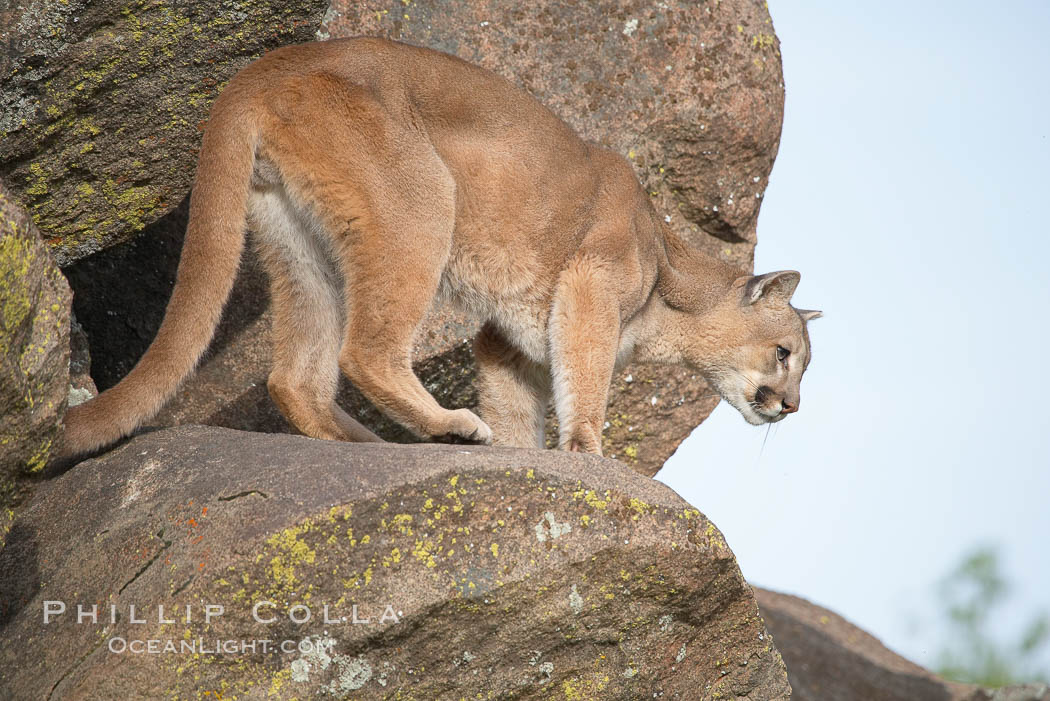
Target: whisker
[[743, 377]]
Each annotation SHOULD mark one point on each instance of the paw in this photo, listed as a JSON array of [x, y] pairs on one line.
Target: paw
[[579, 443], [465, 424]]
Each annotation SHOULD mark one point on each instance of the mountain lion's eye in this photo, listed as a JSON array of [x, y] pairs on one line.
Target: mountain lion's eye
[[782, 353]]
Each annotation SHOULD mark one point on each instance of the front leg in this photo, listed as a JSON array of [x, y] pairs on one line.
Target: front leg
[[513, 391], [584, 334]]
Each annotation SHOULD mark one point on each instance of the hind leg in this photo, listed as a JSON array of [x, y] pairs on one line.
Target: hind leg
[[393, 269], [387, 201], [514, 391], [307, 320]]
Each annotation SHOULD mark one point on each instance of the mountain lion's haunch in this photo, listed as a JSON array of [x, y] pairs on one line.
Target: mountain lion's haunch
[[378, 177]]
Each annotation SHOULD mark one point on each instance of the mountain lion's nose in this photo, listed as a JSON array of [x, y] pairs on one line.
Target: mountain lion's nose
[[787, 407]]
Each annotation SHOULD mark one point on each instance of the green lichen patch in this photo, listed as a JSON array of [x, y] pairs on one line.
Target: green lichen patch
[[452, 578], [16, 257], [34, 355], [117, 105]]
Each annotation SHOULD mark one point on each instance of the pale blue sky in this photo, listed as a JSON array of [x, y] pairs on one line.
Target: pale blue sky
[[911, 191]]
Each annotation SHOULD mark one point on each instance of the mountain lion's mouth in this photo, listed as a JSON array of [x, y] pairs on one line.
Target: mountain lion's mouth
[[758, 404]]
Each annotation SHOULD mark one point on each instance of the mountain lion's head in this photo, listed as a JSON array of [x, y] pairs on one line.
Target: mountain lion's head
[[760, 349]]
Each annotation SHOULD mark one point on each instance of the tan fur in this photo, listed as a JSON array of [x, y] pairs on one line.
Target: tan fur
[[379, 177]]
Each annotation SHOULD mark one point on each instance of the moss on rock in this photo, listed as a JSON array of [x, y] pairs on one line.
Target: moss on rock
[[34, 354], [102, 104], [387, 572]]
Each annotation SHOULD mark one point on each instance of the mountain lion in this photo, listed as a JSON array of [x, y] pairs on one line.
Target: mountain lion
[[379, 177]]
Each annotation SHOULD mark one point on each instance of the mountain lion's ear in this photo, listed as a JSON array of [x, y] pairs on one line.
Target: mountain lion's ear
[[809, 314], [771, 286]]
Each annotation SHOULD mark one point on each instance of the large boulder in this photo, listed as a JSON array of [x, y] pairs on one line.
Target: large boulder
[[34, 355], [692, 93], [102, 102], [828, 657], [482, 573]]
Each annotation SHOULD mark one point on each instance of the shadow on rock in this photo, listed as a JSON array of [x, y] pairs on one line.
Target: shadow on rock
[[19, 571]]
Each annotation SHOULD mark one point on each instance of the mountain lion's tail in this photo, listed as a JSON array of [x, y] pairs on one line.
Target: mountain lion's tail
[[208, 267]]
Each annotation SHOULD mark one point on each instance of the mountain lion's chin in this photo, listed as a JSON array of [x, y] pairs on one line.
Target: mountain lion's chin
[[756, 419], [748, 412]]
